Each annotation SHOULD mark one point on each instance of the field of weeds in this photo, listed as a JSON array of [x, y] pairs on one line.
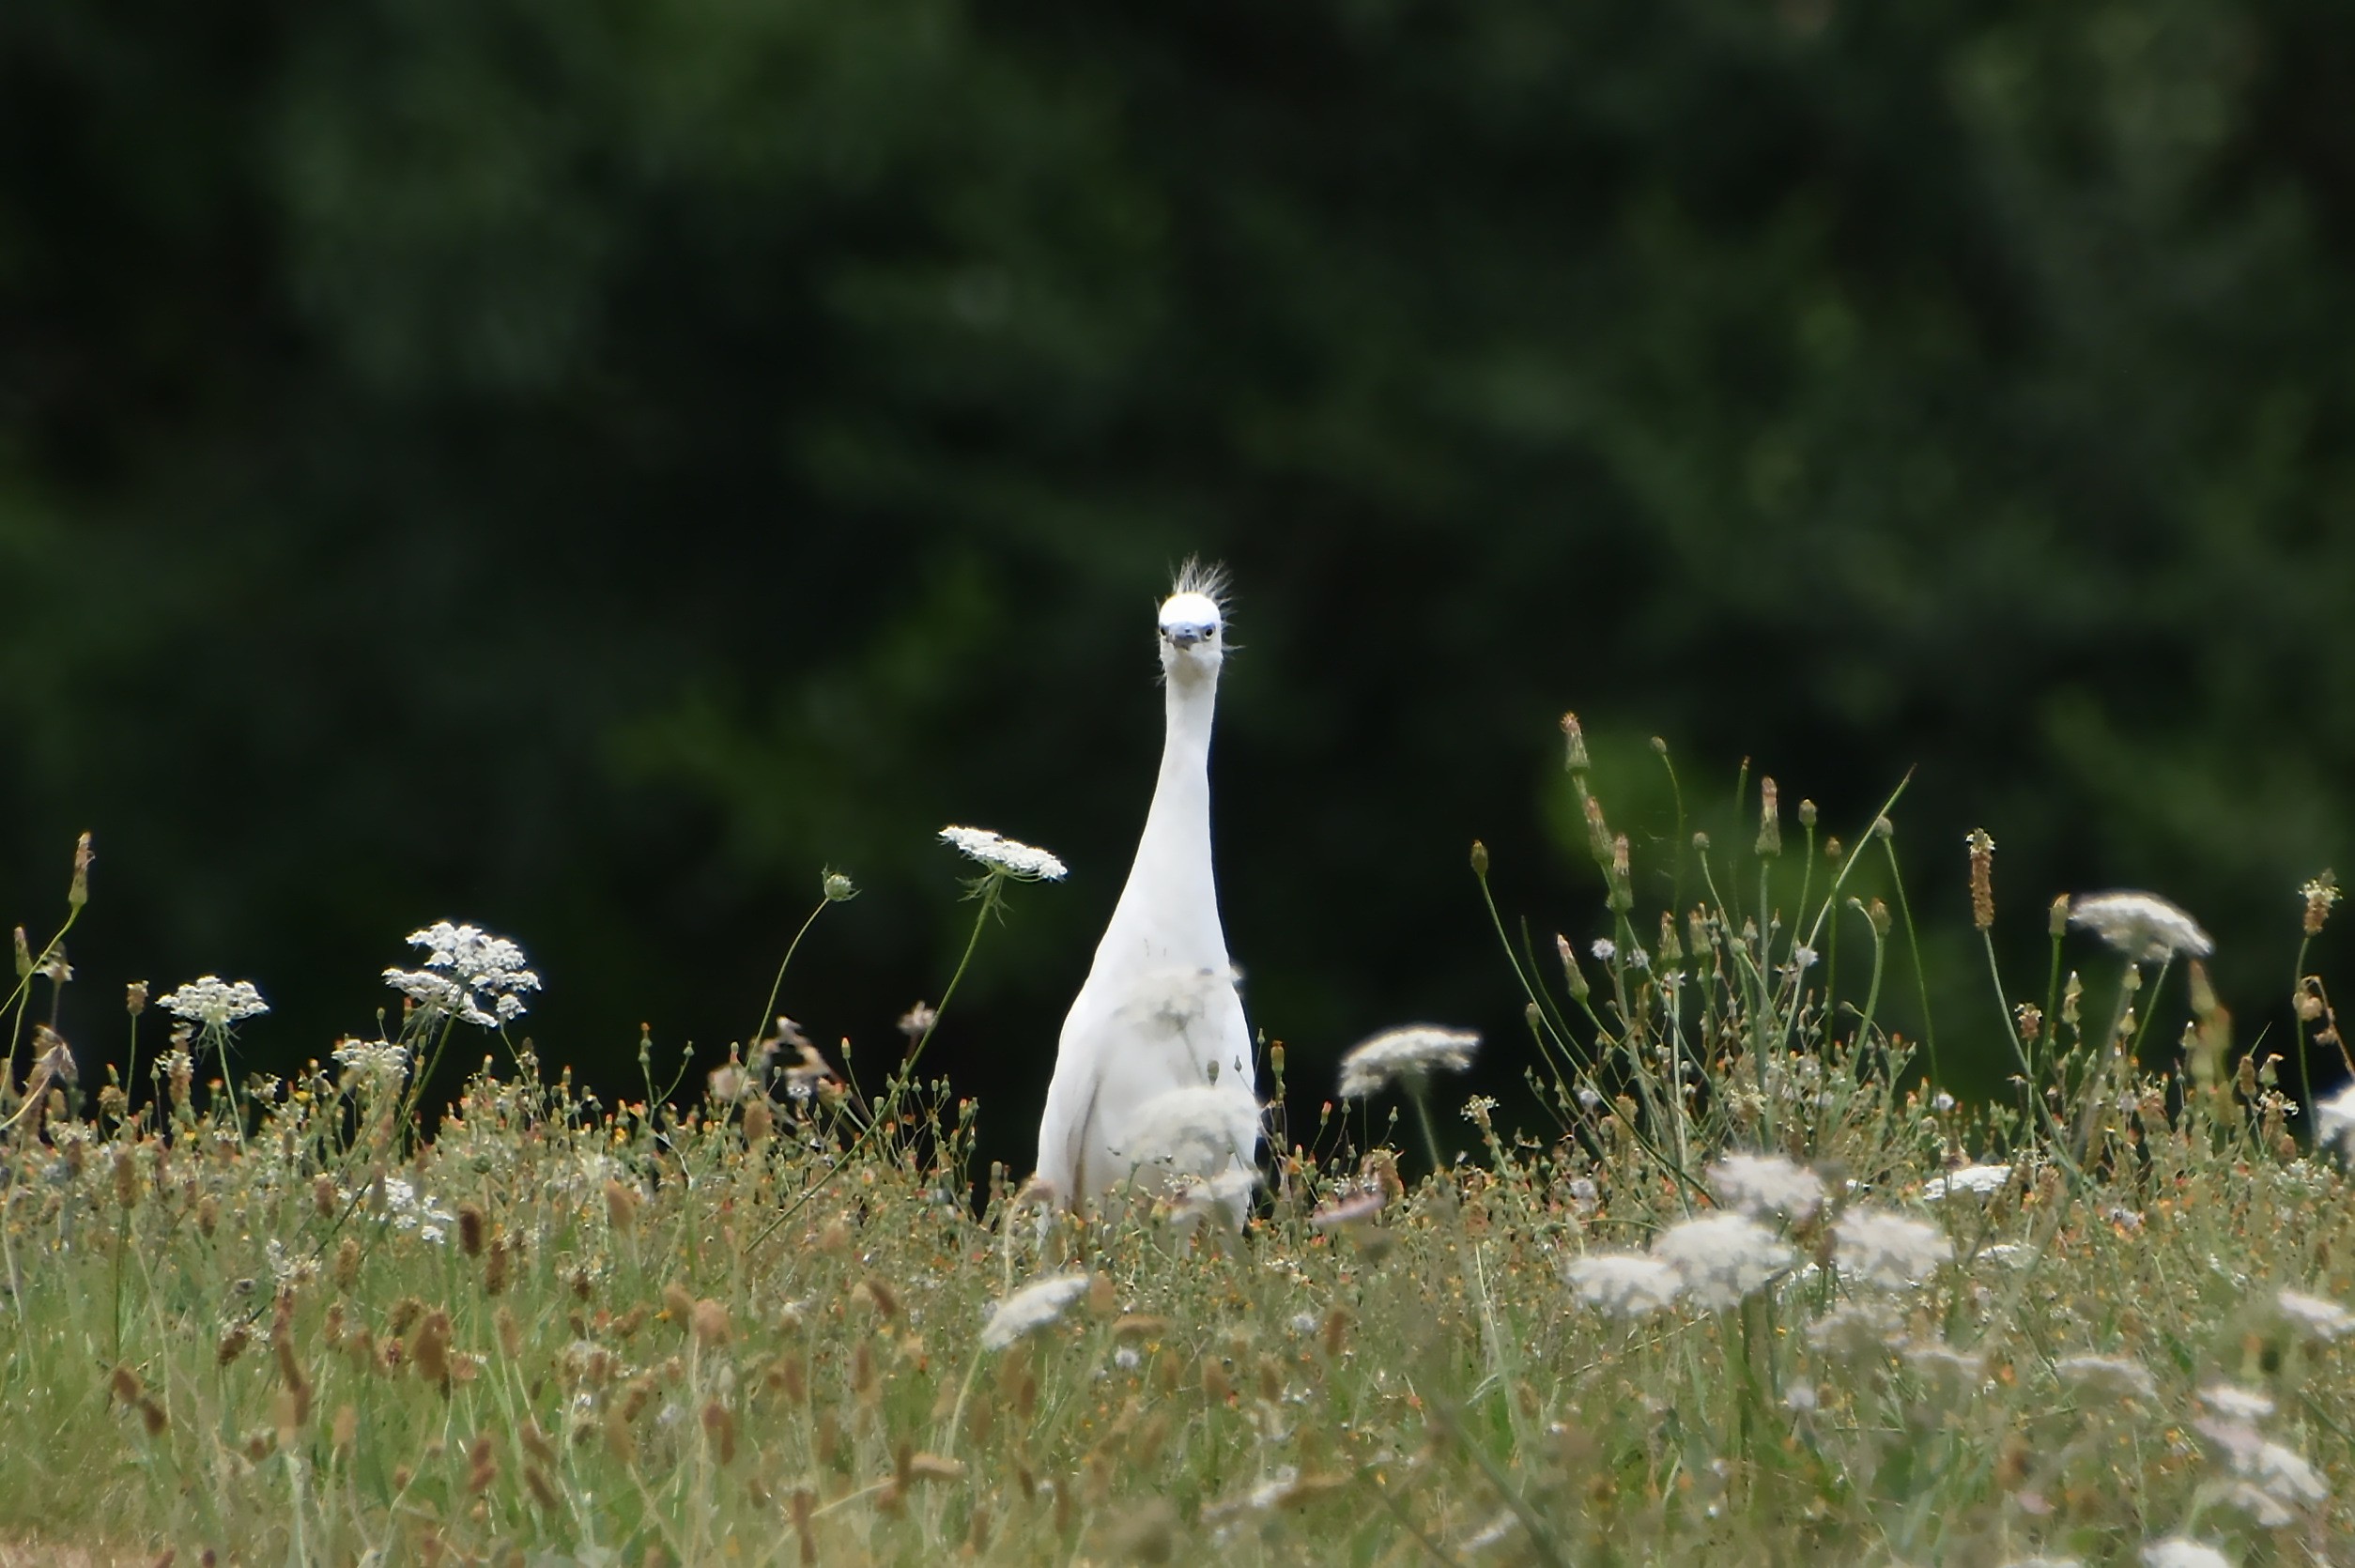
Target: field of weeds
[[1757, 1291]]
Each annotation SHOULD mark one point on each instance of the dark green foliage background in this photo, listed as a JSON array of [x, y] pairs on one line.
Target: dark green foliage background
[[580, 467]]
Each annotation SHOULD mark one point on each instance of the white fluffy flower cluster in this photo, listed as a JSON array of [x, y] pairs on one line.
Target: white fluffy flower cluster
[[2314, 1316], [2106, 1377], [2142, 925], [1409, 1053], [1889, 1250], [213, 1002], [1008, 856], [379, 1064], [1765, 1185], [1714, 1261], [1032, 1308], [469, 974], [1977, 1180]]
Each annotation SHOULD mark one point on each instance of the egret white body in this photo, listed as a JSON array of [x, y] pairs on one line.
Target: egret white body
[[1153, 1079]]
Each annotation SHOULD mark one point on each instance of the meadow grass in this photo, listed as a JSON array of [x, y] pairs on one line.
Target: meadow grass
[[1757, 1292]]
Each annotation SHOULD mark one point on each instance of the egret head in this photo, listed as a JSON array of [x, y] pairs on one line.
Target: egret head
[[1194, 623]]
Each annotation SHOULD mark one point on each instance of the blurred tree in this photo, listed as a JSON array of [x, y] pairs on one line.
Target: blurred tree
[[582, 467]]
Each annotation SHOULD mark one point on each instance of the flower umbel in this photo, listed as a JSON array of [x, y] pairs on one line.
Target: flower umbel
[[213, 1002], [1410, 1053], [1007, 856], [2142, 925], [1032, 1308], [1767, 1185], [1721, 1259], [469, 974], [1889, 1249], [1624, 1284]]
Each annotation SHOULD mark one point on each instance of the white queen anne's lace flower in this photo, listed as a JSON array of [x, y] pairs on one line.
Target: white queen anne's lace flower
[[2314, 1316], [1978, 1180], [2102, 1377], [1722, 1258], [1410, 1053], [1624, 1284], [2181, 1552], [1889, 1250], [1764, 1184], [379, 1063], [216, 1003], [469, 974], [2142, 925], [1032, 1308], [2235, 1402], [1022, 862]]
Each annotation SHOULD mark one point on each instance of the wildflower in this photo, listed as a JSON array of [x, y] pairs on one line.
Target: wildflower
[[1764, 1184], [2144, 926], [1195, 1130], [1722, 1258], [1349, 1208], [1803, 959], [215, 1003], [2235, 1402], [2314, 1316], [1410, 1053], [1982, 847], [1978, 1180], [1624, 1284], [1032, 1308], [1227, 1194], [2106, 1377], [1605, 950], [1856, 1330], [2282, 1474], [2320, 894], [469, 974], [1945, 1369], [1006, 856], [1889, 1249], [917, 1020], [2181, 1552], [379, 1063]]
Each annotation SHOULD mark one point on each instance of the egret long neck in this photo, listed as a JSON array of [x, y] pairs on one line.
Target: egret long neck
[[1168, 914]]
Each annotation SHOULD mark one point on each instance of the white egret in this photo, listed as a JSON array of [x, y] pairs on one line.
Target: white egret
[[1153, 1080]]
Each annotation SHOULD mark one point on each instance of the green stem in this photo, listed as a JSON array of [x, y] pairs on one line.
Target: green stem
[[989, 893], [768, 1010]]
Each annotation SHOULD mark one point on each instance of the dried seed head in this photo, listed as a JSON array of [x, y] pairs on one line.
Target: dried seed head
[[2056, 920], [78, 890], [719, 1426], [1574, 757], [1769, 819], [1982, 847], [429, 1349], [758, 1122], [136, 998], [470, 1227], [496, 1265], [1571, 975], [620, 1207], [233, 1342], [348, 1264], [1479, 858], [709, 1324]]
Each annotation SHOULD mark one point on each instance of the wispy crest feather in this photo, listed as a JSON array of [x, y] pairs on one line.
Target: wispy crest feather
[[1210, 579]]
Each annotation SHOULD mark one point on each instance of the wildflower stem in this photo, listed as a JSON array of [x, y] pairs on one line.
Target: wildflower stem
[[989, 893], [1912, 942], [2029, 1087], [2297, 1032], [768, 1009]]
